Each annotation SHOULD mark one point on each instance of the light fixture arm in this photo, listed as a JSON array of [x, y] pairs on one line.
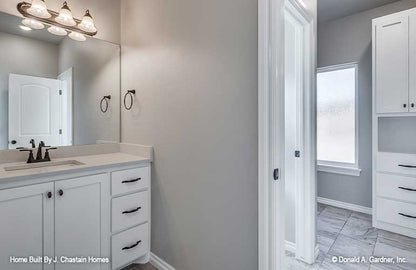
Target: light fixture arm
[[22, 7]]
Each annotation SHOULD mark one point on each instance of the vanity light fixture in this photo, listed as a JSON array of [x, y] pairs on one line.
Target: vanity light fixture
[[87, 23], [58, 31], [65, 16], [37, 14], [25, 28], [77, 36], [31, 23], [38, 9]]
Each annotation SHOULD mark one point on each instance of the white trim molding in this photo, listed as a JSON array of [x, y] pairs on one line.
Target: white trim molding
[[352, 171], [290, 246], [344, 205], [159, 263]]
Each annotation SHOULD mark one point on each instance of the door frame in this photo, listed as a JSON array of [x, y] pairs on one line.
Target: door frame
[[271, 111], [305, 199]]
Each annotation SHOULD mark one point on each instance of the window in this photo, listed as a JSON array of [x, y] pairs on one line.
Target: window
[[337, 150]]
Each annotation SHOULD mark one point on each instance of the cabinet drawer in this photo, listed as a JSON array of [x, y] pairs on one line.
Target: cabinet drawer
[[396, 187], [393, 212], [130, 245], [130, 210], [396, 163], [130, 180]]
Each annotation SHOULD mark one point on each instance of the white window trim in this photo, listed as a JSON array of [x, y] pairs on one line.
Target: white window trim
[[351, 169]]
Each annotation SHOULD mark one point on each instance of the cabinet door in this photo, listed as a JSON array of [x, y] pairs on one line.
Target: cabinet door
[[82, 220], [412, 63], [26, 225], [391, 63]]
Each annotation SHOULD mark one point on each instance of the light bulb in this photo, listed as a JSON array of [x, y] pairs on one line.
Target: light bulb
[[33, 24], [87, 23], [25, 28], [38, 9], [57, 31], [65, 16], [77, 36]]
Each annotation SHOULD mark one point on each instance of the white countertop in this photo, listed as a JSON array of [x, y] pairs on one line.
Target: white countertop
[[100, 161]]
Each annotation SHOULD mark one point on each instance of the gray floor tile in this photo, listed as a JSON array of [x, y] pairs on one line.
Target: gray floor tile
[[359, 226], [146, 266], [345, 233], [325, 243], [293, 264], [329, 226], [335, 212], [349, 247], [320, 208], [393, 248], [329, 265]]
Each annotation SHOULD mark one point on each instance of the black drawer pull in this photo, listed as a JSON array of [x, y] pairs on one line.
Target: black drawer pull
[[130, 247], [132, 211], [131, 181], [409, 216], [407, 166], [408, 189]]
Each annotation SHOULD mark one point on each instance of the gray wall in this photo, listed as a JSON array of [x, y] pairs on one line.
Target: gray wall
[[349, 40], [106, 14], [194, 66], [96, 73], [23, 56]]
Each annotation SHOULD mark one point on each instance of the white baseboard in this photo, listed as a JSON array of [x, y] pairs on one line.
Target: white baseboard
[[348, 206], [159, 263], [290, 246]]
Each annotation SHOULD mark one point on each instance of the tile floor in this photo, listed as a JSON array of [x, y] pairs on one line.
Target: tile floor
[[345, 233]]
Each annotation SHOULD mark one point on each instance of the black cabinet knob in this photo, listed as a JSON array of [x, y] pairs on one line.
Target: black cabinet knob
[[412, 105], [61, 192], [13, 142], [404, 105], [49, 194]]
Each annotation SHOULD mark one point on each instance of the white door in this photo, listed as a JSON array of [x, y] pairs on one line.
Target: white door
[[34, 110], [26, 225], [412, 62], [82, 220], [66, 106], [391, 61]]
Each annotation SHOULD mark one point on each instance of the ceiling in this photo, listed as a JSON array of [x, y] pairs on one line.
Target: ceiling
[[334, 9]]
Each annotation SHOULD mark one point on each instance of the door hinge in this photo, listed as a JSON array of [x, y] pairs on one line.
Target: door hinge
[[276, 174], [60, 131], [297, 153], [60, 92]]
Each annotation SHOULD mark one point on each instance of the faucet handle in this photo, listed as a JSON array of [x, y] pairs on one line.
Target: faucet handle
[[31, 158], [47, 156], [32, 142]]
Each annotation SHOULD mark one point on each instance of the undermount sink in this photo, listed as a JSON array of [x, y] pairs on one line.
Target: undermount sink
[[28, 166]]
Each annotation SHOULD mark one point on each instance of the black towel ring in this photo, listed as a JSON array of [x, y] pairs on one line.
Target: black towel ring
[[129, 93], [104, 101]]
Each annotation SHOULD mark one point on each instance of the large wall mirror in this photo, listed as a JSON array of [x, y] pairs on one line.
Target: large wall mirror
[[55, 89]]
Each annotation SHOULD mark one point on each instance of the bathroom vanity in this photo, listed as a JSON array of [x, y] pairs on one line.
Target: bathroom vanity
[[77, 213], [86, 204]]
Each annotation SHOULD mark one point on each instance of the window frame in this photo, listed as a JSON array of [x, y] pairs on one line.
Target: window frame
[[351, 169]]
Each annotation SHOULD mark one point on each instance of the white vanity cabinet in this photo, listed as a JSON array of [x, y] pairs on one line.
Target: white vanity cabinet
[[81, 213], [98, 213], [394, 62], [394, 105], [26, 225]]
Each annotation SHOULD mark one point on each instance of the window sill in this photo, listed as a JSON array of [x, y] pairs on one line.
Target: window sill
[[339, 170]]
